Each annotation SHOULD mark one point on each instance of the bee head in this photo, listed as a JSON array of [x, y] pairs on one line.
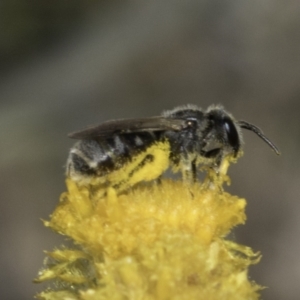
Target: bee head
[[222, 129]]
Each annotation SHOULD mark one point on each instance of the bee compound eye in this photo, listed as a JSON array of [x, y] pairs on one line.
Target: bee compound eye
[[232, 134]]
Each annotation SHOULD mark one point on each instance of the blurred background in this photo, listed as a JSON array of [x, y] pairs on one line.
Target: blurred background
[[67, 64]]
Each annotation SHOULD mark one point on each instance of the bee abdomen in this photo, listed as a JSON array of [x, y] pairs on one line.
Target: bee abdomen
[[90, 158], [79, 165]]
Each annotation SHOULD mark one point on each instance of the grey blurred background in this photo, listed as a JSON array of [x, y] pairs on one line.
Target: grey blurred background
[[68, 64]]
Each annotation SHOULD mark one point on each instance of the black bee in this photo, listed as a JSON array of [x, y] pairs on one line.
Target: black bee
[[121, 153]]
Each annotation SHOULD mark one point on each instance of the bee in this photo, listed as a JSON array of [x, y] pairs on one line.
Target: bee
[[121, 153]]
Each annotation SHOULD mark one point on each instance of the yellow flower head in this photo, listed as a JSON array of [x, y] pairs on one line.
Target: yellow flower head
[[156, 241]]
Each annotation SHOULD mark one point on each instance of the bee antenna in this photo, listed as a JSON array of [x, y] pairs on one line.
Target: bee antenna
[[258, 131]]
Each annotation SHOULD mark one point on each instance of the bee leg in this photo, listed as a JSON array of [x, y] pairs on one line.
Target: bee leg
[[158, 180], [217, 158], [219, 167], [189, 173], [120, 186], [189, 170], [194, 170], [132, 179]]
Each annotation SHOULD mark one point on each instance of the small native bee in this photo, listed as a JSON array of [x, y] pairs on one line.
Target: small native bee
[[121, 153]]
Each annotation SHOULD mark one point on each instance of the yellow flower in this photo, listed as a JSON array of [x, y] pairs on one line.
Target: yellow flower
[[154, 242]]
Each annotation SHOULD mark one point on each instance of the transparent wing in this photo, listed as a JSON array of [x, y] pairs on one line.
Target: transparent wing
[[125, 126]]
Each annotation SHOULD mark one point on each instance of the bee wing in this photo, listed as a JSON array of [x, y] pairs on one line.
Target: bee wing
[[125, 126]]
